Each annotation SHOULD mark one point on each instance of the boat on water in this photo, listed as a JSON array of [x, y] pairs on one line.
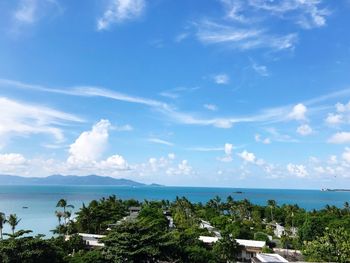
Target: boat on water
[[334, 190]]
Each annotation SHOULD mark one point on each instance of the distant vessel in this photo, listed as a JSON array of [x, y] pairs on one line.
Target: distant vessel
[[25, 207], [334, 190], [238, 192]]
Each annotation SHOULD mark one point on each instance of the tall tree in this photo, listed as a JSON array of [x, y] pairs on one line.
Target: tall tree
[[333, 246], [13, 221], [272, 205], [226, 249], [63, 204], [2, 222]]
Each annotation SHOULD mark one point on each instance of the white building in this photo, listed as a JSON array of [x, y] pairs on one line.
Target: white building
[[250, 248], [92, 239], [268, 258]]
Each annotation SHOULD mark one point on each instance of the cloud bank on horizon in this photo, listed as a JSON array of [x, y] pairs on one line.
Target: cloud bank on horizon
[[226, 93]]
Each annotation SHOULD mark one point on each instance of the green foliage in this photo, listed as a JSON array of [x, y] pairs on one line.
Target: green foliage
[[13, 221], [148, 237], [261, 236], [333, 246], [266, 249], [137, 241], [30, 250], [93, 256], [226, 249], [96, 217]]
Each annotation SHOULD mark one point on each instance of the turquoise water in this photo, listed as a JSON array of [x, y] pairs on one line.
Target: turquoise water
[[41, 200]]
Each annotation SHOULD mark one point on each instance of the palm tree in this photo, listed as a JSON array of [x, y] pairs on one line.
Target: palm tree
[[2, 222], [272, 205], [347, 207], [63, 203], [59, 215], [13, 221]]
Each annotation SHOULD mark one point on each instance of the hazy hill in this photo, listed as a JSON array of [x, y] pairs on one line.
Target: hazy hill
[[66, 180]]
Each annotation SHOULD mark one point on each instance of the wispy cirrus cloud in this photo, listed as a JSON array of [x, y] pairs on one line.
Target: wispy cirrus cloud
[[160, 141], [221, 79], [260, 69], [19, 119], [306, 14], [119, 11], [172, 113], [250, 24], [243, 38], [29, 12]]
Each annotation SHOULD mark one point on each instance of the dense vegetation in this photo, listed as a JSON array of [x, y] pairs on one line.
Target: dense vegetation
[[322, 235]]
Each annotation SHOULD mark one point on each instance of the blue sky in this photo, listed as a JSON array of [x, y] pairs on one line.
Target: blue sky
[[223, 93]]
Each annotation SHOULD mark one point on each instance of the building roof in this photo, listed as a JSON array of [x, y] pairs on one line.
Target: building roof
[[208, 240], [263, 257], [92, 239], [94, 236], [251, 243]]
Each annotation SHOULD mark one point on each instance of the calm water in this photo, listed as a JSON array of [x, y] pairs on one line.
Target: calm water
[[41, 200]]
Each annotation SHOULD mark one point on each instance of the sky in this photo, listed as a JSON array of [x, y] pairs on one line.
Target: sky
[[227, 93]]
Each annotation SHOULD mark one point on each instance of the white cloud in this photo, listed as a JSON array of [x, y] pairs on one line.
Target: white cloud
[[181, 37], [119, 11], [177, 92], [334, 119], [206, 149], [260, 69], [26, 11], [333, 159], [228, 148], [114, 162], [304, 130], [12, 162], [342, 114], [86, 152], [209, 32], [126, 127], [183, 168], [12, 159], [29, 12], [233, 10], [221, 79], [171, 156], [170, 112], [247, 156], [19, 118], [211, 107], [340, 138], [307, 14], [258, 138], [298, 112], [298, 170], [340, 107], [346, 155], [159, 141], [90, 145]]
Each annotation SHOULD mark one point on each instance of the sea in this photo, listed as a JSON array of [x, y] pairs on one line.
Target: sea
[[36, 205]]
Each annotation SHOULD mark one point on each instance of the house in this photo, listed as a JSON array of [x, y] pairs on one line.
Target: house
[[208, 240], [280, 230], [91, 240], [206, 225], [263, 257], [250, 248], [133, 214]]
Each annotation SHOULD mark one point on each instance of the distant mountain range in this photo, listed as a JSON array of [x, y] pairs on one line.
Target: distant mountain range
[[68, 180]]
